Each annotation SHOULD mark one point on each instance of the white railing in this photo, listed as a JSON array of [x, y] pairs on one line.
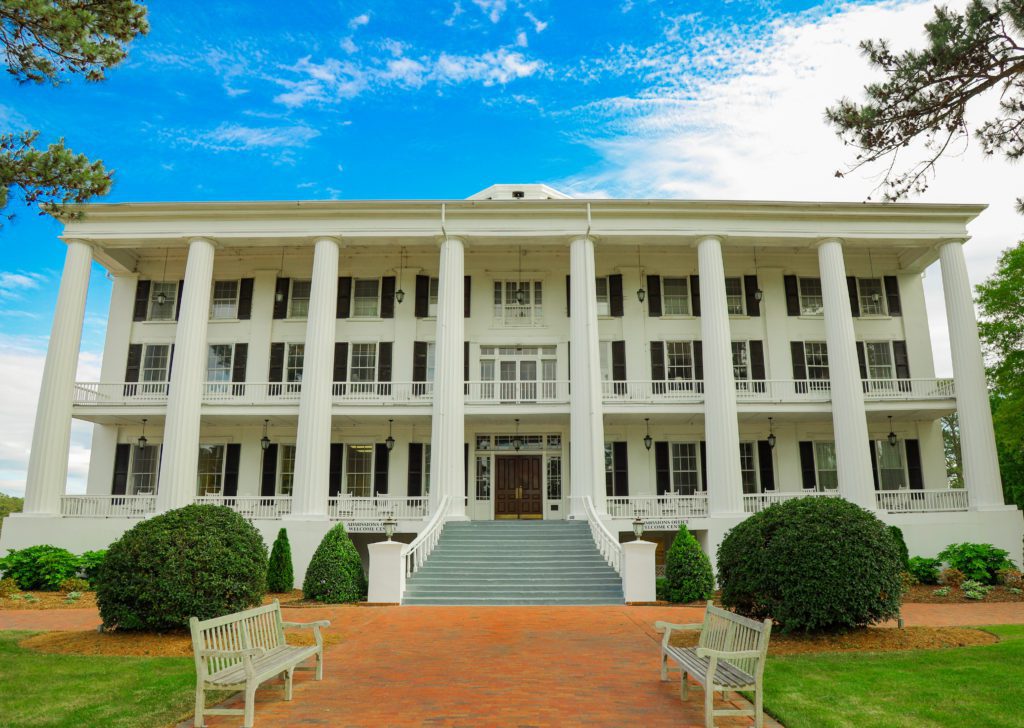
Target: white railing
[[875, 389], [783, 390], [675, 390], [515, 315], [517, 392], [757, 502], [383, 392], [251, 506], [416, 553], [107, 506], [100, 393], [658, 506], [251, 392], [922, 501], [606, 543], [353, 508]]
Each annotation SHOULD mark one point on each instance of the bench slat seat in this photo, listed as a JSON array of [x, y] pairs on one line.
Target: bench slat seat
[[245, 649], [730, 655]]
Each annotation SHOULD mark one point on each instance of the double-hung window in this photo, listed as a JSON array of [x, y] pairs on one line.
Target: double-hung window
[[286, 480], [675, 296], [363, 368], [734, 299], [359, 471], [816, 359], [680, 370], [603, 298], [218, 368], [685, 468], [298, 301], [163, 297], [889, 468], [811, 301], [224, 302], [740, 361], [366, 298], [211, 470], [748, 467], [518, 303], [293, 366], [156, 362], [826, 465], [432, 290], [878, 361], [143, 472], [871, 297]]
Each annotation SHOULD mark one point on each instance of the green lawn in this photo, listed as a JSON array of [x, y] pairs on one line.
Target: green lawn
[[73, 691], [970, 686]]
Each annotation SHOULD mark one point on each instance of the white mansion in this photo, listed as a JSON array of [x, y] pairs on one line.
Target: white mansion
[[518, 354]]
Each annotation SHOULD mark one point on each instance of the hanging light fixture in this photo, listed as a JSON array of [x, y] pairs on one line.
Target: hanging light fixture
[[892, 435], [520, 293], [161, 298], [265, 440], [400, 294], [758, 293], [648, 440], [771, 434], [517, 441], [390, 442], [641, 294], [278, 295], [142, 441]]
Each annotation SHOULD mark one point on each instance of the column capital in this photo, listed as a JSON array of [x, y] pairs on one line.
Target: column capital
[[441, 240], [203, 239], [824, 241], [79, 241], [717, 238], [329, 239]]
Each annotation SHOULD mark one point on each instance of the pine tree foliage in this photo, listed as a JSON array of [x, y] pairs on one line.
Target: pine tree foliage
[[924, 98], [280, 574]]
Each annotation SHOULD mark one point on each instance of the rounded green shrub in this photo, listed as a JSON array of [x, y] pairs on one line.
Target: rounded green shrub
[[335, 573], [897, 535], [280, 575], [925, 570], [812, 564], [39, 568], [89, 564], [198, 561], [688, 573], [979, 562]]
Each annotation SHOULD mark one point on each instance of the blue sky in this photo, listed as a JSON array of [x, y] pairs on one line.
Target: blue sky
[[438, 100]]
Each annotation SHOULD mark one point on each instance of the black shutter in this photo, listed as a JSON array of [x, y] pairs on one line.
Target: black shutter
[[899, 357], [122, 455], [568, 298], [756, 350], [619, 366], [796, 350], [862, 360], [892, 295], [465, 469], [380, 469], [465, 361], [231, 458], [874, 462], [654, 296], [662, 474], [276, 371], [807, 471], [177, 305], [914, 474], [334, 469], [387, 297], [414, 486], [467, 290], [620, 468], [658, 362], [131, 370], [421, 307], [749, 292], [384, 367], [170, 362], [765, 465], [141, 301], [695, 295], [615, 306], [340, 361], [268, 478], [851, 287], [419, 361], [245, 299], [698, 361], [704, 464], [238, 367], [344, 296], [281, 289], [792, 296]]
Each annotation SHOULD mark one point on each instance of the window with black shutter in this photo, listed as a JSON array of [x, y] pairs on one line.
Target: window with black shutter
[[620, 467], [851, 287], [808, 472], [245, 287], [381, 457], [344, 306], [281, 290], [122, 456], [268, 475], [750, 293], [141, 309], [387, 297], [231, 461], [654, 296], [915, 475], [421, 304], [467, 291], [892, 295], [414, 486], [766, 465], [335, 469], [615, 304], [792, 295], [662, 470], [695, 295]]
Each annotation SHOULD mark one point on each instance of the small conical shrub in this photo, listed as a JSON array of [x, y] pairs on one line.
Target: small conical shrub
[[280, 576], [897, 536], [687, 570], [335, 574]]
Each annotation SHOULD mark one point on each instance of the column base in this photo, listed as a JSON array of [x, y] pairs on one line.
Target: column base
[[983, 509]]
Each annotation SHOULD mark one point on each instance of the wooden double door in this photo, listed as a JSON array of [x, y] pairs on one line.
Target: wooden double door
[[518, 486]]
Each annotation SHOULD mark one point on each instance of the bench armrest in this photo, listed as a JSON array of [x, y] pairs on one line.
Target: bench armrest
[[668, 628], [231, 654], [307, 625], [722, 655]]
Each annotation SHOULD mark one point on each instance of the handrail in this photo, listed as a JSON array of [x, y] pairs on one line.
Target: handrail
[[607, 544], [416, 553]]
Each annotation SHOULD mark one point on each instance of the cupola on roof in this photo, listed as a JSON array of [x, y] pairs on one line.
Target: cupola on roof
[[519, 192]]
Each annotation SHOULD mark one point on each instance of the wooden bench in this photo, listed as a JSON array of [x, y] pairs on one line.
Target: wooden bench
[[730, 655], [242, 650]]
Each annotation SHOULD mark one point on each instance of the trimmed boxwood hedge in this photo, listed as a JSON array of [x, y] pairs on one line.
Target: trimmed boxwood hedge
[[280, 575], [335, 573], [812, 564], [198, 561], [688, 573], [40, 568]]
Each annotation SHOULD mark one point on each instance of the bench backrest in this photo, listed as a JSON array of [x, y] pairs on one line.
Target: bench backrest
[[729, 632], [259, 627]]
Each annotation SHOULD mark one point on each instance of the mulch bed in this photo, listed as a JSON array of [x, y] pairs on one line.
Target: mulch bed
[[925, 593], [865, 640], [50, 600]]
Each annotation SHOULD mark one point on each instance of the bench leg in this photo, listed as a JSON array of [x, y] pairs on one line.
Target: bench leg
[[200, 706], [250, 706], [684, 685], [758, 708], [664, 667], [709, 706], [320, 664], [288, 684]]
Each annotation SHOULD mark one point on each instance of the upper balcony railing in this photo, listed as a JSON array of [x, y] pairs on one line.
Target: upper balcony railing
[[650, 507], [517, 392], [107, 506], [923, 501], [516, 316]]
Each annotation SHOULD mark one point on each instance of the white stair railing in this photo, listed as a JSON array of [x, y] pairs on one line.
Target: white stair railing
[[606, 543], [416, 553]]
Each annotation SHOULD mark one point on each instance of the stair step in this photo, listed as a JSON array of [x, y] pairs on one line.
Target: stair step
[[485, 602]]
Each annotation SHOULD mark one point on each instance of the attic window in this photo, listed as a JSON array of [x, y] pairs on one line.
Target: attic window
[[518, 194]]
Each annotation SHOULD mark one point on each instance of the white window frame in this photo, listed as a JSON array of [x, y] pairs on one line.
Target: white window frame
[[882, 448], [676, 484], [294, 365], [292, 298], [211, 477], [495, 360], [675, 304], [356, 298], [750, 477], [867, 306], [219, 378], [604, 299], [170, 291], [286, 476], [811, 303], [150, 479], [366, 450], [813, 350], [685, 352], [735, 303], [357, 352], [741, 371], [224, 308], [604, 351], [509, 313], [820, 457], [433, 292], [870, 369], [148, 383]]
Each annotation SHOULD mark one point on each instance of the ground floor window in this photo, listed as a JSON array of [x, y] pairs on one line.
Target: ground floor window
[[143, 470], [748, 467], [825, 464], [359, 471], [211, 470], [685, 468], [889, 469], [483, 477], [286, 481], [554, 477]]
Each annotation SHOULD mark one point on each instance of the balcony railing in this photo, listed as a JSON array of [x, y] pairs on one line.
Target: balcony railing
[[658, 506], [251, 392], [377, 508], [517, 316], [141, 393], [517, 392], [251, 506], [877, 389], [757, 502], [783, 390], [644, 391], [922, 501], [107, 506], [383, 392]]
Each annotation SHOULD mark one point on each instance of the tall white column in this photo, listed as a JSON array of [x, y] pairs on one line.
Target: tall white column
[[721, 429], [977, 438], [586, 417], [313, 435], [180, 458], [448, 425], [51, 438], [849, 422]]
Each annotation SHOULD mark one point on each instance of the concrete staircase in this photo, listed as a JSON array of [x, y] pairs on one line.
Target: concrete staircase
[[515, 562]]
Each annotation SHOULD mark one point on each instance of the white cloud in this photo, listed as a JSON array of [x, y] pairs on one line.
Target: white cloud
[[538, 25], [457, 10], [488, 68], [521, 40], [741, 117], [348, 45], [359, 21], [13, 285], [235, 137], [492, 8]]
